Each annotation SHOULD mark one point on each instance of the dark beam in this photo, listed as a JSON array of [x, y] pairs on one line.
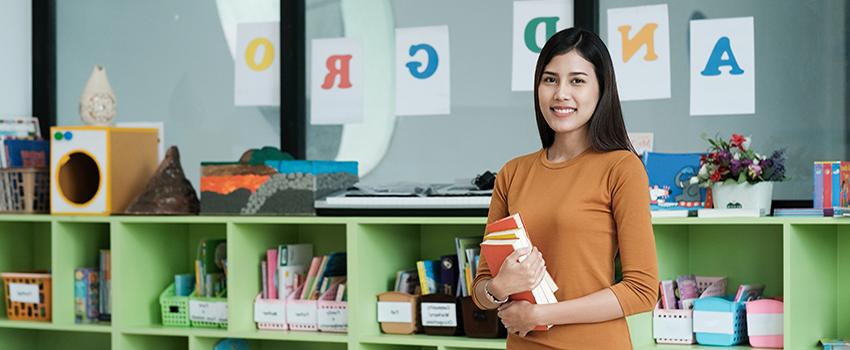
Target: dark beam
[[293, 98], [44, 63]]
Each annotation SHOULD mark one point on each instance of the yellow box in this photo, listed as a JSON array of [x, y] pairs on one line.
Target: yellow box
[[96, 170]]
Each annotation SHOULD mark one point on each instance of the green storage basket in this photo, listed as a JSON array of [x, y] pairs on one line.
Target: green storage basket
[[175, 309], [206, 323]]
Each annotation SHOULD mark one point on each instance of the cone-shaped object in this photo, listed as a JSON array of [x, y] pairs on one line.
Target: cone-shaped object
[[168, 192]]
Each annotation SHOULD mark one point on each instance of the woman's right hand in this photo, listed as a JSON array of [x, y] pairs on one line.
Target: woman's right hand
[[515, 276]]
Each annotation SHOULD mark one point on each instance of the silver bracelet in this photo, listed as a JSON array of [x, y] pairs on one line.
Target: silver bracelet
[[493, 297]]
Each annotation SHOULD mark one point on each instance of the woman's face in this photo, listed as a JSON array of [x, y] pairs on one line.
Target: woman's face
[[568, 92]]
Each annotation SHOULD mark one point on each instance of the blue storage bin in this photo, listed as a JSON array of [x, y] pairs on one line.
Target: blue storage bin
[[720, 321]]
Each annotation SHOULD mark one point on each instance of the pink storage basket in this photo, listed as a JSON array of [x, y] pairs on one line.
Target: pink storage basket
[[270, 314], [765, 323], [332, 314], [301, 315]]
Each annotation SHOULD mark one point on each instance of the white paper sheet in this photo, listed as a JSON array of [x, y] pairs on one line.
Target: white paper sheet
[[534, 17], [423, 75], [257, 64], [639, 42], [336, 81], [722, 83]]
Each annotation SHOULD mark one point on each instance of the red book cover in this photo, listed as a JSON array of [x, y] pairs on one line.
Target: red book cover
[[271, 272], [827, 186], [504, 224], [495, 255]]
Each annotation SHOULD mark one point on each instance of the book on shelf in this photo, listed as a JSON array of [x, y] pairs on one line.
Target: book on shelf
[[449, 274], [86, 295], [209, 267], [501, 239], [680, 213], [271, 273], [294, 260], [105, 285], [732, 213], [747, 292], [462, 246], [264, 272], [407, 281], [429, 276], [810, 212], [27, 153]]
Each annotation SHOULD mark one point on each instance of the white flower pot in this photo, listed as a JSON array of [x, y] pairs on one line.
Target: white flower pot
[[743, 196]]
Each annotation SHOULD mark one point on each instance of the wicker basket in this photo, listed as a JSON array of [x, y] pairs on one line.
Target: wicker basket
[[24, 190], [35, 286]]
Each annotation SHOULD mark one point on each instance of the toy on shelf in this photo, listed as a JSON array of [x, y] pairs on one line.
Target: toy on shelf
[[268, 182], [99, 170], [168, 192]]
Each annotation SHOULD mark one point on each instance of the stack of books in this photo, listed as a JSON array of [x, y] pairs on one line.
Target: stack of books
[[211, 268], [502, 238], [284, 269], [294, 274]]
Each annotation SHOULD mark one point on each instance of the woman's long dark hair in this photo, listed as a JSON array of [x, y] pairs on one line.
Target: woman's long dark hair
[[607, 131]]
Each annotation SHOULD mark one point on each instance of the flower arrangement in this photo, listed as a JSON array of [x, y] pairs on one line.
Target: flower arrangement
[[734, 162]]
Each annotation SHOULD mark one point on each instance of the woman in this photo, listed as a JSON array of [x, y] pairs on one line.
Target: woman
[[584, 200]]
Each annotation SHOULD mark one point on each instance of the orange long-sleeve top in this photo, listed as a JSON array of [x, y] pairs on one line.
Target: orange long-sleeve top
[[580, 213]]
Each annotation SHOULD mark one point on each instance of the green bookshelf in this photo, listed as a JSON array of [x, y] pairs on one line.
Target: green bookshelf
[[805, 259]]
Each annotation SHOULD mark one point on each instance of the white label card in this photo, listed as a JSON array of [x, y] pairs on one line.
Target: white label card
[[270, 313], [394, 311], [764, 324], [333, 318], [208, 311], [713, 322], [24, 293], [301, 313], [439, 314]]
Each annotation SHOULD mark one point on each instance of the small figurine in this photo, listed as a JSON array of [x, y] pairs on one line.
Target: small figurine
[[97, 103]]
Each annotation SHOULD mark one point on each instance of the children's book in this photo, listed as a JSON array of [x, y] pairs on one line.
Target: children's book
[[670, 184], [461, 245], [747, 292], [292, 267], [27, 153], [86, 295]]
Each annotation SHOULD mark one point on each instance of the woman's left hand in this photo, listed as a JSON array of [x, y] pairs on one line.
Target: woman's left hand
[[519, 317]]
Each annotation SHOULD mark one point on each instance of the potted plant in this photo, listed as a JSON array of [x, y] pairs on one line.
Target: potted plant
[[738, 176]]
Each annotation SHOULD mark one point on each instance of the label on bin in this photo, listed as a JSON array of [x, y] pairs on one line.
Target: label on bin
[[266, 312], [713, 322], [333, 318], [764, 324], [208, 311], [24, 293], [394, 312], [302, 313], [439, 315]]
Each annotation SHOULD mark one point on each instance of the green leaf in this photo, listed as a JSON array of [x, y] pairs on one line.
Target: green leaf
[[730, 181], [742, 177]]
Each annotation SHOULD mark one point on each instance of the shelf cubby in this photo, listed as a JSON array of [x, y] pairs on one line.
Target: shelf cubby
[[25, 246], [49, 339], [383, 249], [126, 341], [247, 246], [146, 258], [80, 244]]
